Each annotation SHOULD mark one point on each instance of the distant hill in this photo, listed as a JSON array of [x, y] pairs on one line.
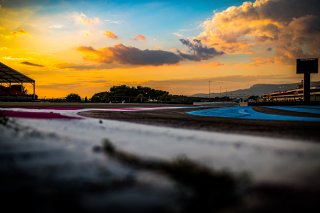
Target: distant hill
[[257, 89]]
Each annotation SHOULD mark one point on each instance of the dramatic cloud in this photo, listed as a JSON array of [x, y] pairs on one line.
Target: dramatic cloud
[[198, 51], [84, 19], [289, 27], [110, 35], [139, 37], [31, 64], [121, 54]]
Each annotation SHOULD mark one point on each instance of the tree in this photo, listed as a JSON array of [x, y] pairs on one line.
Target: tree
[[164, 97], [253, 97], [72, 97], [139, 98], [101, 97], [130, 94]]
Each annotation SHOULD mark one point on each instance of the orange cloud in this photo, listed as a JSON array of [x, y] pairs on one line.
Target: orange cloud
[[139, 37], [121, 54], [290, 27], [111, 35], [124, 55], [92, 54]]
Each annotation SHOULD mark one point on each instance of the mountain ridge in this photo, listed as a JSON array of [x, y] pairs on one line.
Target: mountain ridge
[[256, 89]]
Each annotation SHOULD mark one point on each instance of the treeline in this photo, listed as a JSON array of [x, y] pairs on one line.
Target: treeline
[[139, 94], [131, 94]]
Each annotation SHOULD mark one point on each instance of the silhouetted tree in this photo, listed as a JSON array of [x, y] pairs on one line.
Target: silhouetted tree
[[130, 94], [101, 97], [72, 97], [253, 97], [139, 98]]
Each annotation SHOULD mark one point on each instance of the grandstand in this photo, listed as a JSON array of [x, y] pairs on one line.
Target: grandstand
[[292, 95], [12, 85]]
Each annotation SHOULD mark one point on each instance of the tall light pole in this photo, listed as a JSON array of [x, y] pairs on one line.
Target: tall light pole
[[209, 89]]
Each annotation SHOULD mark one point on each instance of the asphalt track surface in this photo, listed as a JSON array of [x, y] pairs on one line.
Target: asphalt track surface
[[178, 118]]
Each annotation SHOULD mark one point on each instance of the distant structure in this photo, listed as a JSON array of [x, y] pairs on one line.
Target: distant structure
[[11, 85], [293, 94], [307, 66]]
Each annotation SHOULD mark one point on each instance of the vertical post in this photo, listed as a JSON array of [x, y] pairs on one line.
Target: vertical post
[[34, 90], [209, 89], [306, 87]]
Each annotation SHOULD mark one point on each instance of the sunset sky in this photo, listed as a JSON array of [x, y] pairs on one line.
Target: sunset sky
[[87, 46]]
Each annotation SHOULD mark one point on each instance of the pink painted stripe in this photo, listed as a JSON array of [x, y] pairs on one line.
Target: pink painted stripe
[[53, 108], [35, 115], [134, 108]]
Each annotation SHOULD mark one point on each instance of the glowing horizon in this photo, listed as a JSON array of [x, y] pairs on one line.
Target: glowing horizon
[[176, 46]]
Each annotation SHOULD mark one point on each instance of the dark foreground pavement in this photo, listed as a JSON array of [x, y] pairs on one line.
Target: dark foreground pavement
[[43, 173]]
